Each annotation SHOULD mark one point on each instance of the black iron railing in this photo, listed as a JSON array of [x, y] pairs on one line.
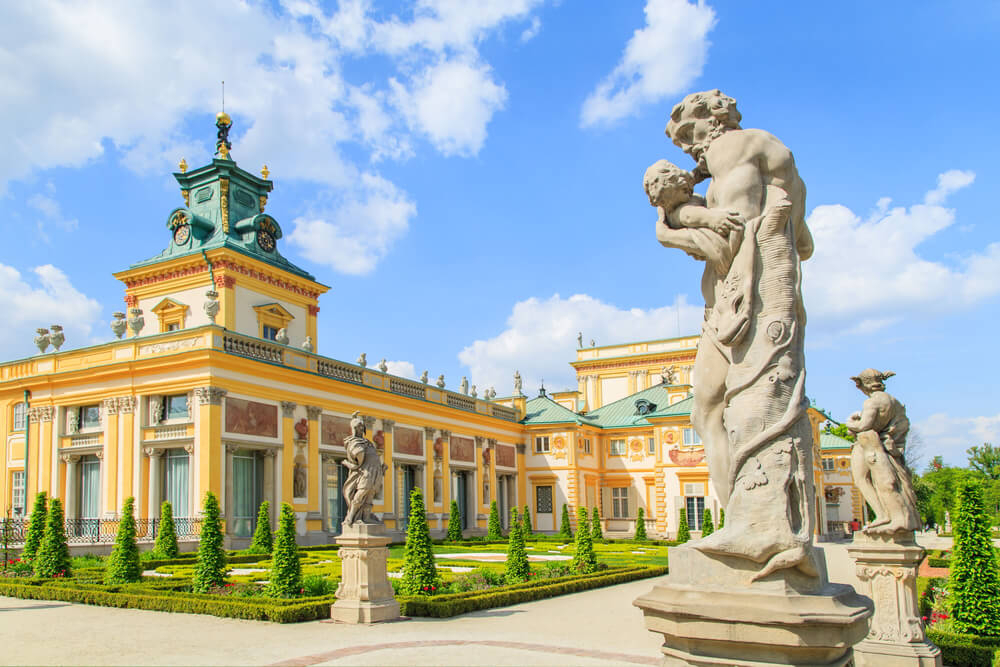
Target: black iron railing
[[102, 531]]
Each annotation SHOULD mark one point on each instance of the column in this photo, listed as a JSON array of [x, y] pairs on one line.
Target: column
[[109, 420], [388, 504], [230, 498], [287, 471], [154, 486], [72, 492], [126, 408], [209, 435], [270, 457]]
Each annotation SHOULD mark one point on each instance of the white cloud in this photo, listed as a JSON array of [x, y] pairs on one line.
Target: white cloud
[[451, 102], [532, 30], [867, 273], [50, 298], [663, 58], [947, 436], [541, 335], [403, 369], [51, 217], [355, 231]]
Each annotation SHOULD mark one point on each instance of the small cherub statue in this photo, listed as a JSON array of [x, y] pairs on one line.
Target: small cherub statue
[[671, 190]]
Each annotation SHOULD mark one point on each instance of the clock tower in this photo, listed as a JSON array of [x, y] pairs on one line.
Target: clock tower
[[222, 263]]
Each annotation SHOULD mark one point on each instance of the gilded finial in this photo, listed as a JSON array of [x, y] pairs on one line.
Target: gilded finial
[[222, 145], [183, 166], [265, 172]]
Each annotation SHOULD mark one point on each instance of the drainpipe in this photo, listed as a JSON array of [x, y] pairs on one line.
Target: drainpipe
[[27, 449], [211, 273]]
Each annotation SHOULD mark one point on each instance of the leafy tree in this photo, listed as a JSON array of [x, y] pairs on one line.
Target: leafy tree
[[454, 523], [36, 528], [722, 518], [526, 522], [683, 530], [585, 560], [707, 527], [565, 529], [985, 460], [640, 525], [595, 526], [840, 430], [263, 538], [420, 575], [123, 564], [286, 569], [52, 559], [517, 568], [494, 532], [166, 538], [974, 581], [210, 570], [943, 482]]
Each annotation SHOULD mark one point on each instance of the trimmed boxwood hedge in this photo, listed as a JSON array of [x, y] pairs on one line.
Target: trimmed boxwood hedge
[[966, 650], [142, 596], [443, 606]]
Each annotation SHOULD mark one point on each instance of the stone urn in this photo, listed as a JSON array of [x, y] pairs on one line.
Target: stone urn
[[57, 337], [118, 324], [307, 344], [135, 320], [281, 337], [42, 340], [211, 304]]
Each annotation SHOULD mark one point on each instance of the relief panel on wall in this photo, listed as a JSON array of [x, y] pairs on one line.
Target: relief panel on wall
[[408, 441], [334, 429], [506, 456], [462, 449], [251, 418]]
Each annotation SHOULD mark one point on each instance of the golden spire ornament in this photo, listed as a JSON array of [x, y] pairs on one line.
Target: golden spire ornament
[[265, 172], [183, 166]]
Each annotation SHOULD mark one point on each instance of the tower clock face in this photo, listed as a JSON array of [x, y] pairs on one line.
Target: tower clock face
[[181, 234], [265, 240]]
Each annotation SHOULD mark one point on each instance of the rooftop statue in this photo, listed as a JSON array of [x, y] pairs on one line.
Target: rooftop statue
[[877, 456], [365, 476], [749, 387]]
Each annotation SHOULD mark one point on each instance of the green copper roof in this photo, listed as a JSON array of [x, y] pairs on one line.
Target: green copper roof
[[831, 441], [622, 413], [543, 410]]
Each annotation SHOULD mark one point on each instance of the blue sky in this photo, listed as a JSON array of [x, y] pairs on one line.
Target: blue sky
[[466, 176]]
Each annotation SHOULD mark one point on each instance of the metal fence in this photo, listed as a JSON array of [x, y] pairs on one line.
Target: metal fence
[[101, 531]]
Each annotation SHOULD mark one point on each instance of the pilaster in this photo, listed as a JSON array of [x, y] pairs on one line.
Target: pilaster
[[312, 456], [287, 471], [209, 434]]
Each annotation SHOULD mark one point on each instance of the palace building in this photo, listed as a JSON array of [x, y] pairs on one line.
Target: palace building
[[214, 381]]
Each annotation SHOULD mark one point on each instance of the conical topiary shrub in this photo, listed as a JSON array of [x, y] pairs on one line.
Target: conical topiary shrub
[[454, 523], [565, 529], [722, 518], [494, 532], [707, 527], [420, 575], [123, 564], [210, 570], [526, 522], [595, 526], [263, 538], [640, 525], [517, 567], [683, 531], [585, 560], [286, 568], [974, 583], [36, 528], [52, 559], [166, 538]]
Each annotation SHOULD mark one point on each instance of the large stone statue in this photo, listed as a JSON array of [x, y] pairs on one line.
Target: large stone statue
[[754, 592], [749, 372], [877, 456], [364, 481]]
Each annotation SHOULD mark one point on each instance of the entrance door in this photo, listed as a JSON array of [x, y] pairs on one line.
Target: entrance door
[[246, 494], [462, 496]]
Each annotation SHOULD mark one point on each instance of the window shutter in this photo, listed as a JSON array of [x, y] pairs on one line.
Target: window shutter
[[633, 502], [605, 503]]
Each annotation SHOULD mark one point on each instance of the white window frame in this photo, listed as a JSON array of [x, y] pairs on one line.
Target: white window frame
[[166, 408], [541, 444], [694, 516], [81, 411], [267, 329], [619, 502], [552, 499], [17, 497], [651, 444], [828, 464], [691, 437], [20, 416], [617, 447], [586, 446]]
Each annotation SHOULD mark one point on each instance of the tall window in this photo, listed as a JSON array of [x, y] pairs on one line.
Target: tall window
[[176, 406], [246, 491], [17, 492], [586, 446], [90, 487], [541, 444], [651, 445], [176, 482], [543, 499], [695, 511], [20, 411], [90, 416], [269, 332], [619, 502], [618, 447], [691, 437], [827, 464]]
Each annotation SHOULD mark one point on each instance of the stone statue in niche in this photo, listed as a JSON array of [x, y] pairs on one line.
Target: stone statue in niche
[[300, 481], [750, 402], [877, 456], [302, 429], [366, 474]]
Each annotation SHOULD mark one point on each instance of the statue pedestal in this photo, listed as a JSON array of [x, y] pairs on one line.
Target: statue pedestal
[[710, 613], [887, 569], [364, 594]]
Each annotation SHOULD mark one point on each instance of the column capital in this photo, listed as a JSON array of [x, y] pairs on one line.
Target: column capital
[[230, 447], [189, 448], [69, 458], [479, 440], [445, 435], [126, 404], [110, 406], [288, 408], [42, 413], [491, 442], [369, 422], [210, 395], [387, 424], [153, 452], [429, 432], [313, 412], [269, 453]]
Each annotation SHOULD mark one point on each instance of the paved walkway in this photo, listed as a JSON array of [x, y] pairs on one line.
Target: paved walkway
[[599, 628]]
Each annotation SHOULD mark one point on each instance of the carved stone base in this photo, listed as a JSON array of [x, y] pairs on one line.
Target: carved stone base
[[709, 613], [364, 594], [887, 569]]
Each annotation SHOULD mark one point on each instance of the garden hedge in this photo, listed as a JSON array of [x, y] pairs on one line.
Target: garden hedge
[[966, 650], [443, 606]]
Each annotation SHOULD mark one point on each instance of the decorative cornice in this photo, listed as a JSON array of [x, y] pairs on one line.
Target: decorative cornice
[[313, 412], [597, 365], [42, 413], [288, 408], [209, 395], [223, 282], [313, 310]]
